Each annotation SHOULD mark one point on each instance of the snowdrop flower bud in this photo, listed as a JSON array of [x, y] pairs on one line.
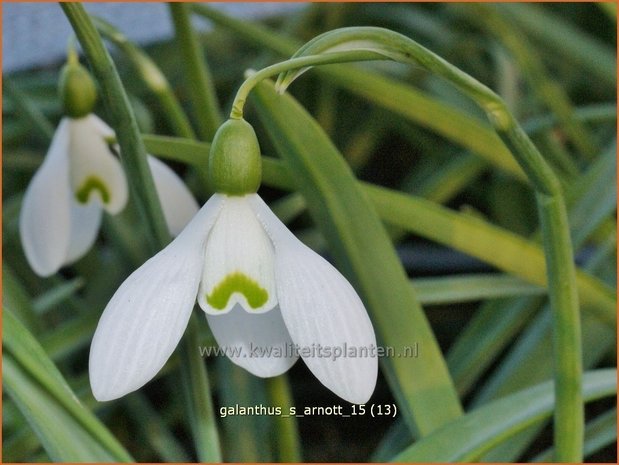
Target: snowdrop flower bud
[[79, 178], [262, 291]]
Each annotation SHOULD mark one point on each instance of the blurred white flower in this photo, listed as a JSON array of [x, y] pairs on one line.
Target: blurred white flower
[[259, 286], [79, 178]]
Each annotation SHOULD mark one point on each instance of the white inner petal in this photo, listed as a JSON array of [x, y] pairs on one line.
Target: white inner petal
[[85, 222], [239, 263], [260, 343], [96, 174]]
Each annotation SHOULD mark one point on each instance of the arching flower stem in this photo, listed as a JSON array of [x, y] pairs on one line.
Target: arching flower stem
[[294, 64]]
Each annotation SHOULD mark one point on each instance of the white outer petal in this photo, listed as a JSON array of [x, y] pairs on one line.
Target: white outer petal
[[146, 317], [44, 219], [178, 205], [91, 156], [320, 307], [258, 342], [85, 223], [238, 243]]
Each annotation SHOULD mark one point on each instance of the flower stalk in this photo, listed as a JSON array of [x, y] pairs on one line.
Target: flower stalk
[[294, 64]]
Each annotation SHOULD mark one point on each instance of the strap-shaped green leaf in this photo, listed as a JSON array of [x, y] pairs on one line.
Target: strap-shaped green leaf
[[366, 256], [599, 433], [467, 438], [68, 431]]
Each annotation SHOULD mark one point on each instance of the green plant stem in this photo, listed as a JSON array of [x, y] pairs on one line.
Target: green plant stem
[[133, 156], [293, 64], [287, 445], [152, 76], [197, 396], [199, 80]]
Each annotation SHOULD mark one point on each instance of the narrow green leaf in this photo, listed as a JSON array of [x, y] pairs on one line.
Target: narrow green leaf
[[153, 430], [565, 39], [287, 442], [57, 295], [42, 394], [152, 76], [529, 361], [18, 446], [63, 439], [36, 119], [362, 248], [197, 394], [517, 255], [69, 337], [450, 289], [397, 438], [599, 433], [16, 297], [533, 69], [468, 437], [199, 79], [492, 328], [594, 113], [246, 439]]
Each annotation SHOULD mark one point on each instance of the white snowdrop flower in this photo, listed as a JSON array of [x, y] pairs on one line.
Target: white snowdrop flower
[[79, 178], [262, 291]]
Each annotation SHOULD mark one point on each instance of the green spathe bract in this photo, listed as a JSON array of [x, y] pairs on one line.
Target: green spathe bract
[[77, 89], [237, 282], [234, 161]]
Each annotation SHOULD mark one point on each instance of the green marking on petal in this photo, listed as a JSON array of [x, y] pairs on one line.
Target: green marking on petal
[[92, 183], [237, 282]]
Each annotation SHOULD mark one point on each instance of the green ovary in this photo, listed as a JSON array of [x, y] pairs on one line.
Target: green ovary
[[237, 282], [92, 183]]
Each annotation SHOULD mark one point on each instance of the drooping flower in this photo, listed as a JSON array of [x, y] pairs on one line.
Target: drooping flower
[[262, 290], [79, 178]]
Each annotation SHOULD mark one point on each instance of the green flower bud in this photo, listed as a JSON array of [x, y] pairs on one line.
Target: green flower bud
[[78, 92], [235, 167]]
